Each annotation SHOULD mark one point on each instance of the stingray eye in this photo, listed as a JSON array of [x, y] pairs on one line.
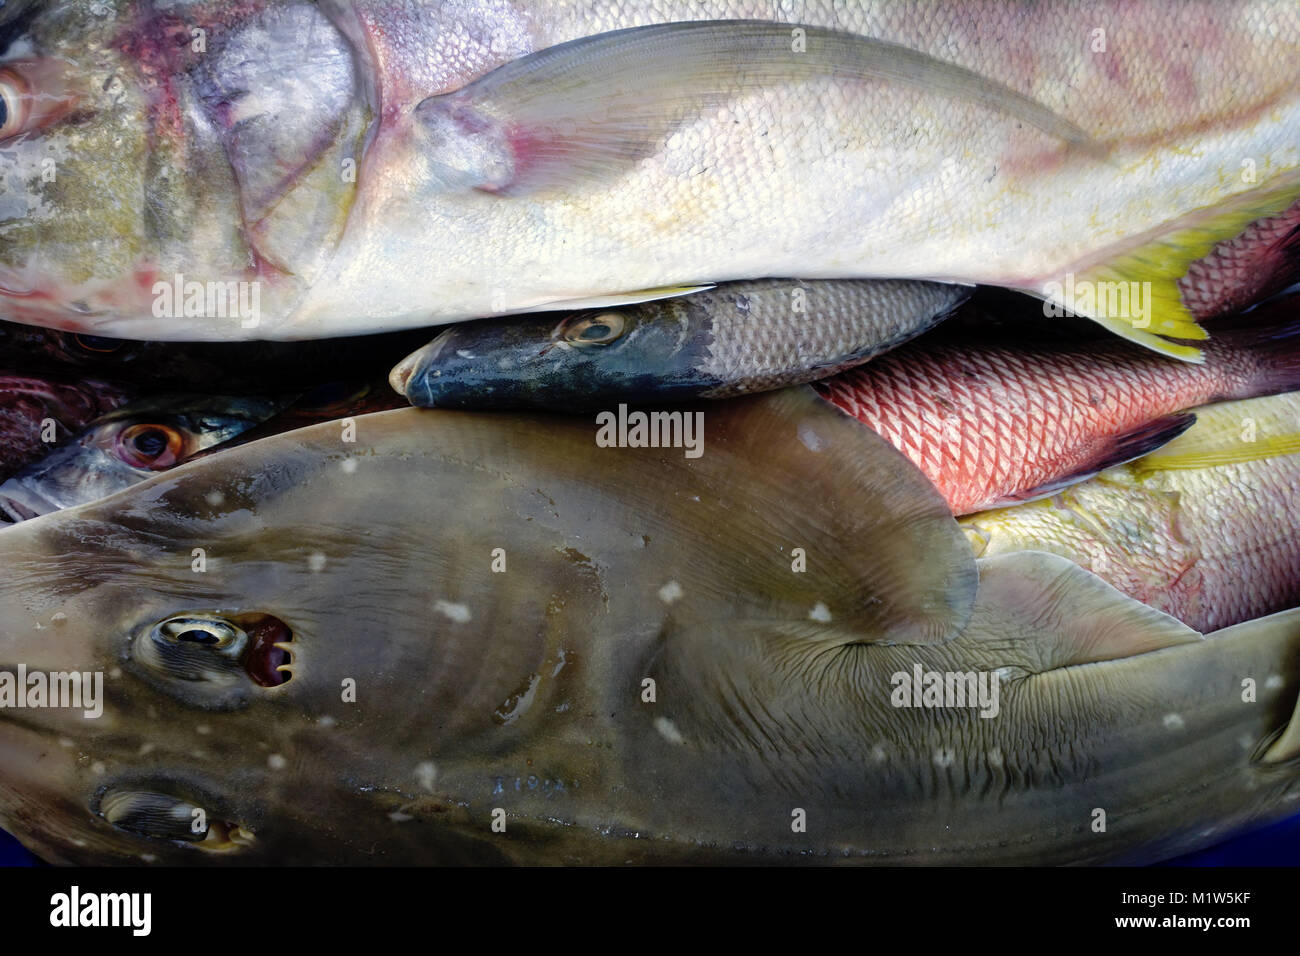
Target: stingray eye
[[599, 329], [94, 343], [15, 104], [211, 632], [155, 447]]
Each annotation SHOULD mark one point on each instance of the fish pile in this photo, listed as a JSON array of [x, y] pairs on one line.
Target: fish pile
[[580, 432]]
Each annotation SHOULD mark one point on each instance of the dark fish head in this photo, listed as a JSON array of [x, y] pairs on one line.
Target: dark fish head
[[565, 362], [127, 446], [134, 134], [320, 651]]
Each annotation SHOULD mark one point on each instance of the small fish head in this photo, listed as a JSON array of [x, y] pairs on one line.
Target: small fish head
[[572, 362], [138, 135]]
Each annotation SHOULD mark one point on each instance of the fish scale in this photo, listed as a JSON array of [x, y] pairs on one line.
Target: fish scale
[[990, 423]]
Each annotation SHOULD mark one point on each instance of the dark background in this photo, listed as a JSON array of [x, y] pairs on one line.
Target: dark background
[[1275, 845]]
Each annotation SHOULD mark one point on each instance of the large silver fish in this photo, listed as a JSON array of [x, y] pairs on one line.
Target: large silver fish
[[184, 170], [471, 638]]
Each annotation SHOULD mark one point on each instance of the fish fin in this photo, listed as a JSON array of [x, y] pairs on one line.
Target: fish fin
[[1215, 447], [1283, 626], [617, 299], [1124, 448], [881, 558], [1162, 261], [592, 107], [1071, 614]]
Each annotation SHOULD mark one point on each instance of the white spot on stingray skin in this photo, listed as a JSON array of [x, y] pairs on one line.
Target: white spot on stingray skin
[[214, 499], [148, 857], [456, 612], [944, 757], [670, 592], [1173, 722], [316, 561], [58, 617], [995, 757], [349, 465], [115, 673], [276, 762], [809, 438], [65, 743], [1274, 681], [78, 842], [98, 769], [203, 729], [820, 613], [878, 753], [426, 773], [668, 730], [327, 721], [145, 750], [397, 816], [1245, 742]]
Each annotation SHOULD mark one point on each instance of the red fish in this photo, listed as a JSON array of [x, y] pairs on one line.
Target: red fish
[[992, 424]]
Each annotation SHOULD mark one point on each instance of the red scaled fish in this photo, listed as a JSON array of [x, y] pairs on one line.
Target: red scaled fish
[[995, 423]]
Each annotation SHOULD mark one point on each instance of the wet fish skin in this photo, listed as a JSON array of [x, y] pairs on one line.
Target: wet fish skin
[[992, 422], [739, 338], [1207, 529], [1018, 207], [127, 446], [28, 401], [449, 725]]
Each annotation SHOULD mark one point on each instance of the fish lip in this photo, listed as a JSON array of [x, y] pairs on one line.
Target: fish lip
[[401, 374]]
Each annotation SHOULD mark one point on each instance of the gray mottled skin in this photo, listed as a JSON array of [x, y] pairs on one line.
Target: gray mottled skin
[[523, 691]]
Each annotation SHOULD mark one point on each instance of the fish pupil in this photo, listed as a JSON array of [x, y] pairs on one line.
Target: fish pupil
[[595, 332], [196, 636], [150, 443]]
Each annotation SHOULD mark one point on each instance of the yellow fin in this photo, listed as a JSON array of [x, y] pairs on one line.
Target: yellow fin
[[1136, 294], [1211, 450]]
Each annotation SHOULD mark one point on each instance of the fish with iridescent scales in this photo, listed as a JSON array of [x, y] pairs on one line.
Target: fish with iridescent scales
[[432, 162]]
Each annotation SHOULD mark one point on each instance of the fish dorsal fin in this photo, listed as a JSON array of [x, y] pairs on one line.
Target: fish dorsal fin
[[593, 106], [1069, 614], [1155, 264], [1232, 433]]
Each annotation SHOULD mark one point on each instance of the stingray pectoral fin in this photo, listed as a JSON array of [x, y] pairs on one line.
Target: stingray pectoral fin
[[591, 108], [879, 556], [1070, 615], [1283, 626]]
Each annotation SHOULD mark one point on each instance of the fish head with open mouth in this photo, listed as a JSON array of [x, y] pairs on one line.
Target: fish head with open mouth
[[230, 128]]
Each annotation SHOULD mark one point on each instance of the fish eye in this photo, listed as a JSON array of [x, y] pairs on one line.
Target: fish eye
[[161, 816], [15, 104], [152, 446], [95, 343], [599, 329], [210, 631]]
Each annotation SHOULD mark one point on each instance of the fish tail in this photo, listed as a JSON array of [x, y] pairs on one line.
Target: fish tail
[[1273, 357]]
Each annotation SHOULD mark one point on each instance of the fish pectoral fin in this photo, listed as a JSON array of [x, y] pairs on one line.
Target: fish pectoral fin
[[616, 300], [830, 530], [591, 108], [1136, 293], [1072, 616], [1124, 448]]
